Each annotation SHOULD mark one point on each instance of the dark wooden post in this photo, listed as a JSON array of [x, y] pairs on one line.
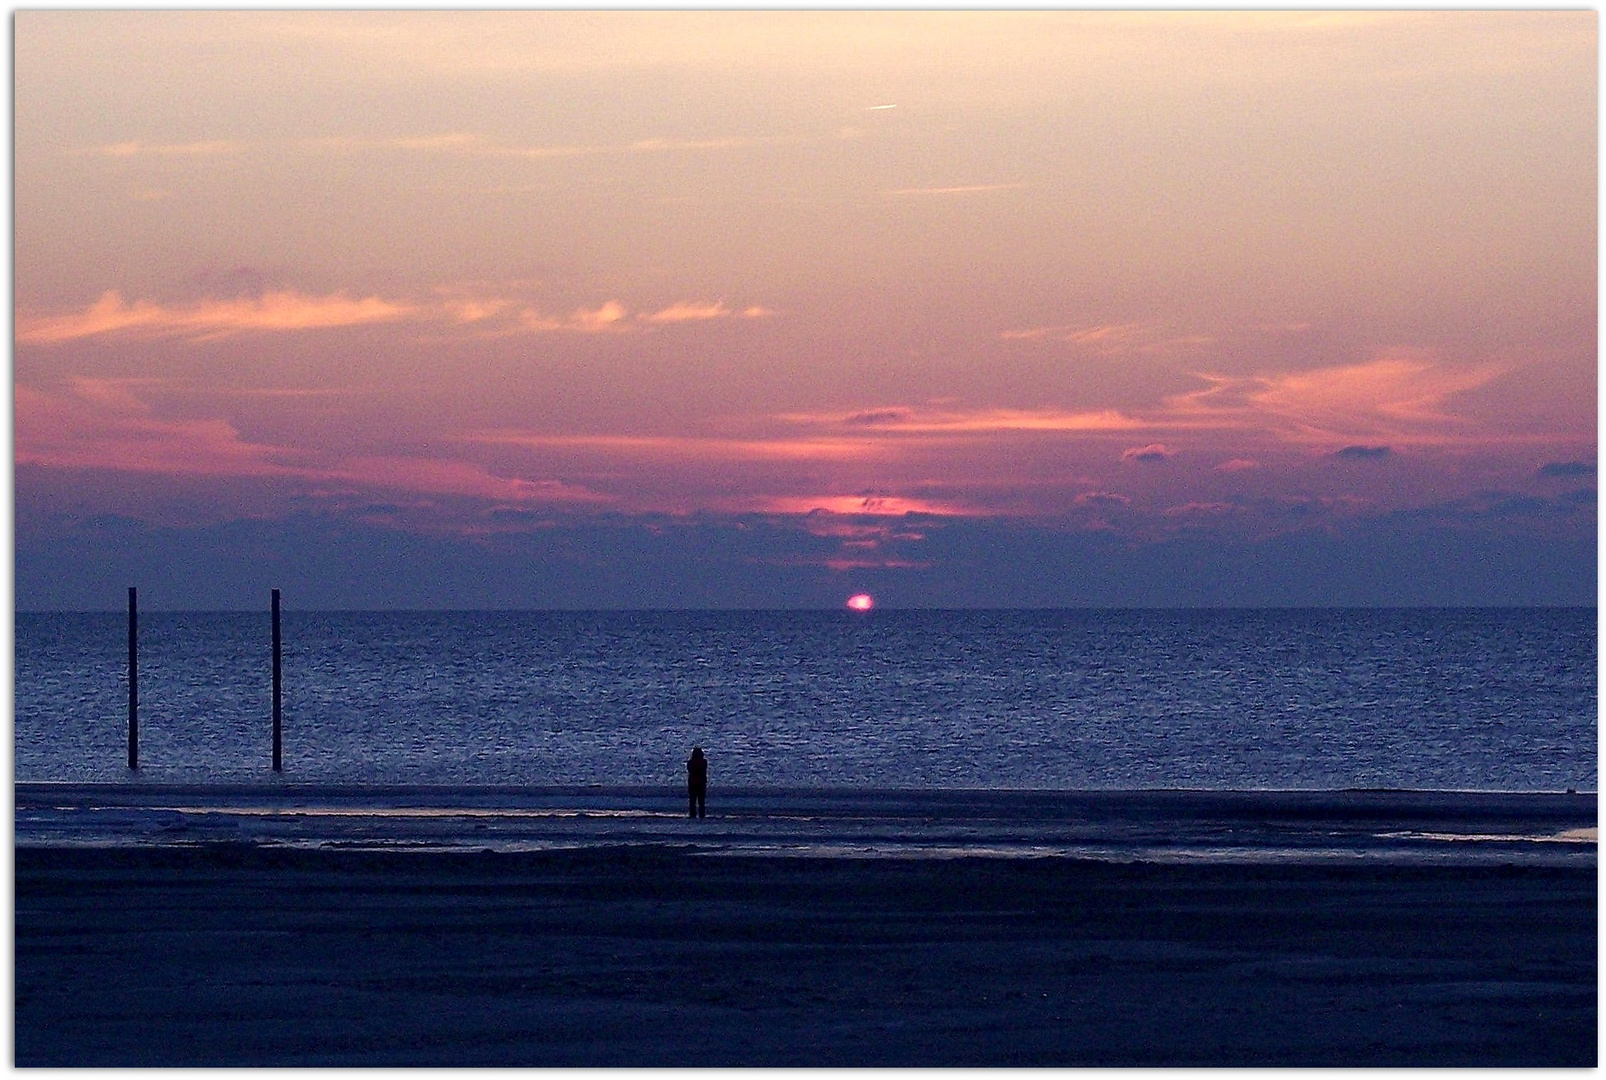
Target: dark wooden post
[[278, 757], [133, 678]]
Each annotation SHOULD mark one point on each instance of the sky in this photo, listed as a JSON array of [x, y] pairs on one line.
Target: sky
[[607, 309]]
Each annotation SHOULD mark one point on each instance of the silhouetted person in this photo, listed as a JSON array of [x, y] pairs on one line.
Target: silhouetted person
[[697, 783]]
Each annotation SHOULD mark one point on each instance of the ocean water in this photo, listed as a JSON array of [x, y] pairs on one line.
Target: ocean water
[[1480, 700]]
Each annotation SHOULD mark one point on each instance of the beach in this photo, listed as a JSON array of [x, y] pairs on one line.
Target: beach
[[664, 953]]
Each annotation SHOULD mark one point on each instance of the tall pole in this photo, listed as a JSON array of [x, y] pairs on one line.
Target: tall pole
[[278, 756], [133, 678]]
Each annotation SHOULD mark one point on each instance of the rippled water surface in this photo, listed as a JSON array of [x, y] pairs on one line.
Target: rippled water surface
[[1435, 699]]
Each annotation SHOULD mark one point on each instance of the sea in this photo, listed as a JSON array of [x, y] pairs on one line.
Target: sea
[[592, 714], [1496, 699]]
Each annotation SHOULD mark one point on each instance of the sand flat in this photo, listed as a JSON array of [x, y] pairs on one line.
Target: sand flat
[[653, 954], [1147, 825]]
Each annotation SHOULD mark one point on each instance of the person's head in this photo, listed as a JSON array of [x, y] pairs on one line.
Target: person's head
[[696, 751]]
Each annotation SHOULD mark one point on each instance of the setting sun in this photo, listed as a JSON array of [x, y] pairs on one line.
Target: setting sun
[[861, 602]]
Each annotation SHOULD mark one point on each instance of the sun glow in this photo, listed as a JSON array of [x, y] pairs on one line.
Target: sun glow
[[861, 602]]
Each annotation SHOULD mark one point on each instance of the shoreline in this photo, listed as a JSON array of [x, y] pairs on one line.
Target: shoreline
[[1157, 825], [653, 955]]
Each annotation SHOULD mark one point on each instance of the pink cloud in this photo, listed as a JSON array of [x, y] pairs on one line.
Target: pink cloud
[[1199, 509], [1106, 335], [444, 476], [1151, 452], [1104, 499], [879, 416], [103, 424]]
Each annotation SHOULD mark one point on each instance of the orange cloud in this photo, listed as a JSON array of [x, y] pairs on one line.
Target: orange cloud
[[135, 148], [472, 311], [608, 317], [843, 563], [979, 421], [1080, 335], [1112, 339], [961, 189], [208, 319], [1402, 385], [857, 505], [600, 318], [614, 317], [855, 532], [640, 146], [1402, 394], [687, 312], [702, 448], [447, 142], [700, 311], [457, 143], [287, 310]]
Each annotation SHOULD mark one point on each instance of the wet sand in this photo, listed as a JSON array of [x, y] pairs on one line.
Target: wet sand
[[652, 955], [1110, 826]]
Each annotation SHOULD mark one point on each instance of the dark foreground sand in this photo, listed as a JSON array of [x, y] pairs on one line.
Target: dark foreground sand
[[644, 956]]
